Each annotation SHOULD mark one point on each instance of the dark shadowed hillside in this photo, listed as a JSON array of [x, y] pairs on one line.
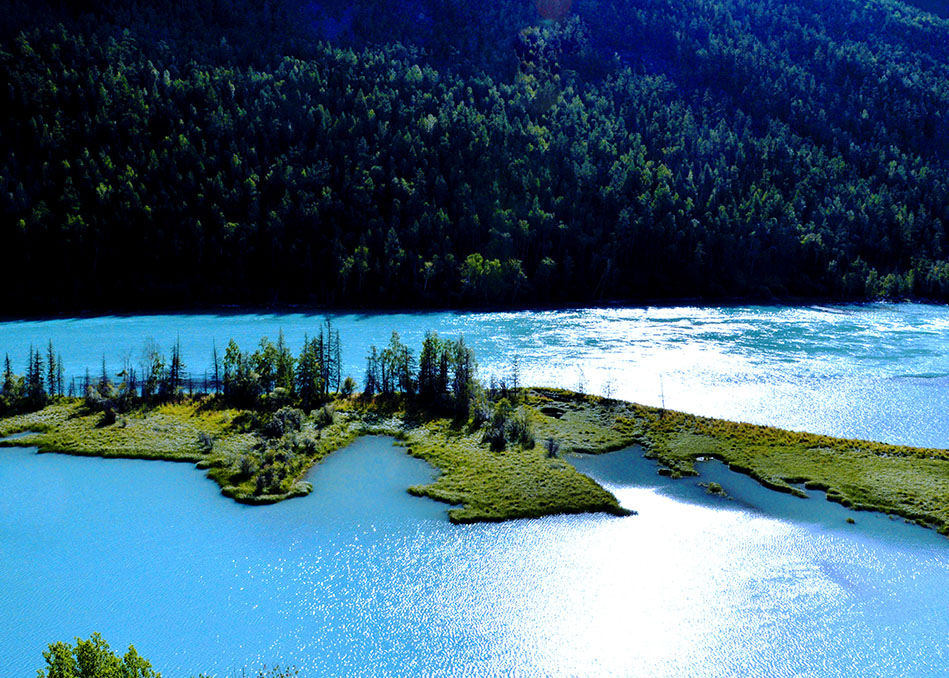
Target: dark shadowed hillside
[[440, 152]]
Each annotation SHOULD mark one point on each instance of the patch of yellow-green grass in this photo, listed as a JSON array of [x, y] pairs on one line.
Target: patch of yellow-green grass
[[911, 482], [516, 482], [214, 439], [580, 423], [513, 483], [169, 432], [39, 421], [320, 443], [500, 485]]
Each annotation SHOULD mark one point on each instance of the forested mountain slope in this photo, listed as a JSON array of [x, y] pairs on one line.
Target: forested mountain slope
[[442, 152]]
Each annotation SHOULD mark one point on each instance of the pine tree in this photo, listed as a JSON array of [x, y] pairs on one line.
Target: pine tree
[[284, 365], [464, 372], [428, 366], [51, 370], [322, 359], [35, 390], [9, 385], [175, 378], [105, 384], [337, 362], [59, 374], [372, 373], [309, 374], [216, 384]]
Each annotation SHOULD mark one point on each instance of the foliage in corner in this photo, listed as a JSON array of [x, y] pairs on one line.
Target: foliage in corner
[[93, 659]]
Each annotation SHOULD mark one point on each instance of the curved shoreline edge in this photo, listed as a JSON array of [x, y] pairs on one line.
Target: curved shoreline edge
[[483, 485]]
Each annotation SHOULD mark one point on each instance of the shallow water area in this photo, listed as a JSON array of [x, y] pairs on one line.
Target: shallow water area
[[789, 583], [360, 578]]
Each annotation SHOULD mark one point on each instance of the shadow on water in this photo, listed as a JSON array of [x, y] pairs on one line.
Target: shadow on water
[[628, 468]]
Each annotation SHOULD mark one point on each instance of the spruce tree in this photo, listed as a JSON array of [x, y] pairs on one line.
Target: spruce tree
[[51, 371]]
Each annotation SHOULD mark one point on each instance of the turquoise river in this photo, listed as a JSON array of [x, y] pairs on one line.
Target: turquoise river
[[359, 578]]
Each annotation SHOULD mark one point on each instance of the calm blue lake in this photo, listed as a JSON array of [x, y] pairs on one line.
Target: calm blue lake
[[359, 578]]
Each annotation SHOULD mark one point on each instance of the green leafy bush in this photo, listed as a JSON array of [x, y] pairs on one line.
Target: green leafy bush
[[93, 659]]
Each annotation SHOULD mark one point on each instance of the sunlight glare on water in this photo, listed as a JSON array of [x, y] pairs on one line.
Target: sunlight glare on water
[[361, 579]]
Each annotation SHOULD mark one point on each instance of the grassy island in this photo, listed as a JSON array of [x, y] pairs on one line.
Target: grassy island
[[869, 476], [254, 467], [263, 419], [242, 451]]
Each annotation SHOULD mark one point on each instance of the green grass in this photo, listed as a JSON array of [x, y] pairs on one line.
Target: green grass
[[177, 432], [511, 483], [169, 432], [320, 443], [482, 484], [906, 481], [517, 482]]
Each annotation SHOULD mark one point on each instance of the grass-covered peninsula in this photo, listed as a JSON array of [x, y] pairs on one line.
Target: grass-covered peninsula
[[260, 420], [254, 467], [907, 481], [521, 480]]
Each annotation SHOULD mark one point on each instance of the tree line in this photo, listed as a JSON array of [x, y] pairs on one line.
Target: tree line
[[93, 658], [468, 155], [443, 375], [281, 390], [43, 380]]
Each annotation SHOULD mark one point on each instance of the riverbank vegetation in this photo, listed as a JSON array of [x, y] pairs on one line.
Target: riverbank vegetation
[[906, 481], [264, 418], [436, 152], [93, 658]]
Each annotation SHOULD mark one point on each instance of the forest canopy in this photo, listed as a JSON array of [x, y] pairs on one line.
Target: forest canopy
[[441, 152]]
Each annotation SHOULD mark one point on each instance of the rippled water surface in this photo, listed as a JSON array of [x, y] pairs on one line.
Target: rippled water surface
[[876, 371], [359, 578]]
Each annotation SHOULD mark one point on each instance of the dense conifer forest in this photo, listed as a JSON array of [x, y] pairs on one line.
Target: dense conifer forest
[[442, 152]]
